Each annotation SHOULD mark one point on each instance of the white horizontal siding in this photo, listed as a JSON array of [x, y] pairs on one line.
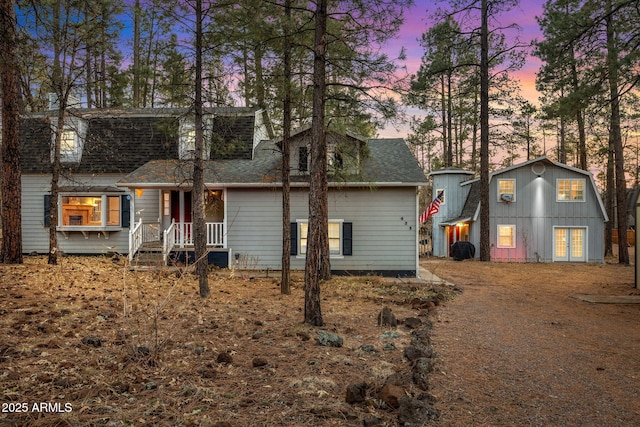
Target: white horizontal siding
[[36, 235], [384, 226]]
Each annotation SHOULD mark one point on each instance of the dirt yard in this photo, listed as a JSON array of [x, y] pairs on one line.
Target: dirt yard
[[517, 349], [89, 342]]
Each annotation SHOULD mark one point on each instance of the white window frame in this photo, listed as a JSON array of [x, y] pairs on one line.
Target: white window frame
[[513, 243], [104, 212], [572, 181], [444, 196], [513, 180], [302, 254]]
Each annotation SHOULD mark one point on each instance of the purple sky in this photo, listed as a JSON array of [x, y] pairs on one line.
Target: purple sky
[[417, 22]]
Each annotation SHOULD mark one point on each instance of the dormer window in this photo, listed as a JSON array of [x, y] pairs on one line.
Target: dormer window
[[334, 158], [72, 138], [303, 159], [70, 145], [68, 141], [188, 140]]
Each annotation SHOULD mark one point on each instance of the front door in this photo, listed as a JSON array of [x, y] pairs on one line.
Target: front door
[[570, 244]]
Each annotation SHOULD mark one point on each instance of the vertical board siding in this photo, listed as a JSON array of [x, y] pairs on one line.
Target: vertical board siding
[[36, 234], [384, 226], [536, 211]]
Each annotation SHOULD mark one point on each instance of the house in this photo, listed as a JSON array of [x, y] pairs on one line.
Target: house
[[127, 189], [540, 211]]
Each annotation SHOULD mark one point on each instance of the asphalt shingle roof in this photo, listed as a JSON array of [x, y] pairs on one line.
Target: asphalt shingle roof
[[389, 161], [144, 145]]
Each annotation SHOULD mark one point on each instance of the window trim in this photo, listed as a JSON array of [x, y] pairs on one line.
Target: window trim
[[301, 255], [123, 210], [513, 243], [571, 183], [500, 200]]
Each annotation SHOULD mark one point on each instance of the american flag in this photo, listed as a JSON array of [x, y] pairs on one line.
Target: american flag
[[432, 209]]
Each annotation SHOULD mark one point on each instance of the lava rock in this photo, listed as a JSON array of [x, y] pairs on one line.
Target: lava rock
[[328, 339], [387, 318], [356, 393]]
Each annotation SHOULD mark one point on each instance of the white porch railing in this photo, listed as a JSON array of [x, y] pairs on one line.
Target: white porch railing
[[135, 239], [168, 241], [180, 235]]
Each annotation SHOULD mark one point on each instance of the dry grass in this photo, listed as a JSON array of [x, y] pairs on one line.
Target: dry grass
[[120, 347]]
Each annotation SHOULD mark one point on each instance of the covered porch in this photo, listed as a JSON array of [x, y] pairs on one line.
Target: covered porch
[[168, 229]]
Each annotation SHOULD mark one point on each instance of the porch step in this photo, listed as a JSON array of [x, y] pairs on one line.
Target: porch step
[[148, 258]]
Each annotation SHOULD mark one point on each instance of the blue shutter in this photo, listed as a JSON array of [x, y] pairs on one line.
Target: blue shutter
[[347, 236], [125, 210], [47, 210], [294, 238]]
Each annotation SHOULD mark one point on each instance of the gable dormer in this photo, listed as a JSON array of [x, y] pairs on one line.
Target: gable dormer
[[345, 153], [72, 139], [187, 137]]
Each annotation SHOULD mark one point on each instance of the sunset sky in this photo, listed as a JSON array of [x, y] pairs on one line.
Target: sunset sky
[[417, 22]]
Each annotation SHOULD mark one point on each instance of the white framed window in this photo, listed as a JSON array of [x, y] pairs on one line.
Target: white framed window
[[506, 190], [506, 236], [440, 192], [68, 141], [84, 210], [570, 190], [335, 237]]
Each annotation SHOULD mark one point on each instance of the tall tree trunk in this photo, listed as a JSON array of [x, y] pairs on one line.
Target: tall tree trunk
[[616, 141], [443, 105], [609, 203], [285, 280], [582, 136], [315, 265], [11, 212], [562, 149], [485, 245], [449, 122], [59, 89], [137, 78], [199, 226]]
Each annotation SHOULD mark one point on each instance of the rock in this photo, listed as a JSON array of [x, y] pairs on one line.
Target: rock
[[372, 421], [391, 395], [199, 350], [356, 393], [420, 371], [391, 335], [389, 346], [224, 357], [258, 333], [387, 318], [413, 412], [412, 322], [416, 351], [368, 348], [92, 340], [421, 336], [328, 339], [259, 362], [151, 385]]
